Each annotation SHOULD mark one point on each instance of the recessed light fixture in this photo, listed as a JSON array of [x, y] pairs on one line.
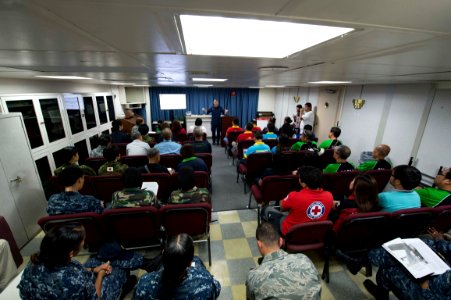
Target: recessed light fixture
[[203, 85], [209, 79], [330, 82], [63, 77], [274, 86], [207, 35]]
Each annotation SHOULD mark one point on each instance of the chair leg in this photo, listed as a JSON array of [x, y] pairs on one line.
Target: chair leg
[[258, 214], [237, 176], [250, 198], [368, 269], [209, 250], [325, 275]]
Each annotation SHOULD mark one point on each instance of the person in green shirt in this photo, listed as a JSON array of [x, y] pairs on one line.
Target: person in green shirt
[[440, 194], [378, 162], [70, 156], [112, 166], [306, 142], [333, 139], [341, 153], [188, 192]]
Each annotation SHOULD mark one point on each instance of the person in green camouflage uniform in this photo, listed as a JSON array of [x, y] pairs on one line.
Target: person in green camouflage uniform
[[70, 156], [132, 195], [112, 166], [281, 275], [188, 192]]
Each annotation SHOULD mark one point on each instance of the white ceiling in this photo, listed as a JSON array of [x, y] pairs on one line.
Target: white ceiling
[[136, 41]]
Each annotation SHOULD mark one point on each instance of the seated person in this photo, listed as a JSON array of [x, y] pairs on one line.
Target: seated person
[[137, 147], [132, 195], [7, 263], [341, 153], [258, 146], [71, 201], [270, 133], [392, 276], [379, 162], [310, 127], [197, 124], [183, 275], [154, 163], [282, 145], [255, 127], [247, 134], [53, 274], [271, 120], [189, 159], [104, 142], [404, 179], [167, 146], [117, 135], [333, 139], [188, 192], [281, 275], [306, 142], [364, 191], [287, 127], [70, 156], [310, 204], [199, 145], [177, 128], [112, 166], [135, 128], [440, 194], [143, 129], [235, 126]]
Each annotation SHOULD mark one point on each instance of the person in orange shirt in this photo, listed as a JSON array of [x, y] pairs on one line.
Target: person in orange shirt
[[255, 128], [247, 134], [235, 126]]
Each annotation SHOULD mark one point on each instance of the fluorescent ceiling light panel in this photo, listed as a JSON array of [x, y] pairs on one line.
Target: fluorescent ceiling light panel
[[122, 83], [221, 36], [63, 77], [330, 82], [274, 86], [210, 79], [203, 85]]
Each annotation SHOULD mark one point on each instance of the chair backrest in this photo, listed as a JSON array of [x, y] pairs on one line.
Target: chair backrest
[[6, 234], [207, 158], [233, 136], [275, 188], [91, 222], [165, 185], [133, 227], [134, 160], [202, 179], [270, 142], [258, 162], [87, 189], [193, 218], [121, 147], [243, 145], [382, 177], [338, 183], [308, 158], [180, 138], [410, 223], [326, 159], [289, 159], [442, 222], [105, 186], [361, 232], [191, 137], [95, 162], [170, 160], [307, 236]]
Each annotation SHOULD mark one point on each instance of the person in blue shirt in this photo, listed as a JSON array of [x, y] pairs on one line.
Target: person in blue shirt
[[404, 179], [258, 146], [183, 275], [189, 159], [167, 146], [216, 112], [270, 134]]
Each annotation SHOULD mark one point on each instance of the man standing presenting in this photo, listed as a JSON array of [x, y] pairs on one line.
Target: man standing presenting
[[216, 112], [297, 119], [281, 275], [307, 115]]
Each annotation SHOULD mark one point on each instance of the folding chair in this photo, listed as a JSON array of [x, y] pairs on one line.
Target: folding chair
[[95, 162], [134, 160], [256, 163], [170, 160], [105, 186]]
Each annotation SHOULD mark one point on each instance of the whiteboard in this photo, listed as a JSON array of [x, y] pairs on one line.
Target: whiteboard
[[172, 101], [435, 147]]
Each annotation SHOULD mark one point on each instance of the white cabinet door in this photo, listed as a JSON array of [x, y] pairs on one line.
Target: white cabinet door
[[20, 173]]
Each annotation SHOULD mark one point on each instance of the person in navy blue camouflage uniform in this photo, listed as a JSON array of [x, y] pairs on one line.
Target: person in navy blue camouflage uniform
[[391, 275], [183, 276], [71, 201]]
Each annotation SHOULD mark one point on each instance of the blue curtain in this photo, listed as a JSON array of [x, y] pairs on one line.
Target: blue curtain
[[243, 104]]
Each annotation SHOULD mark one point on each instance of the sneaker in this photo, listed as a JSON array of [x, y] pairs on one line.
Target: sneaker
[[128, 286], [378, 292]]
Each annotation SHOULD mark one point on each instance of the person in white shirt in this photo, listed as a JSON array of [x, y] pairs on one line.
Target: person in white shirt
[[307, 115], [138, 147], [197, 123]]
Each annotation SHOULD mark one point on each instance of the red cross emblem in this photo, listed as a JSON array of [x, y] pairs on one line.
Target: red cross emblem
[[316, 210]]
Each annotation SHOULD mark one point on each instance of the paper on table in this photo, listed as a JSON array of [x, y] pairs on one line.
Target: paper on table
[[150, 186]]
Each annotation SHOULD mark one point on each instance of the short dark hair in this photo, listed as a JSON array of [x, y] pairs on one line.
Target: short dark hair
[[343, 151], [236, 121], [408, 176], [186, 178], [308, 134], [288, 120], [187, 151], [132, 178], [110, 154], [68, 152], [198, 122], [258, 135], [70, 175], [115, 125], [153, 152], [335, 131], [299, 106], [143, 129], [308, 104], [308, 127], [448, 175], [104, 139], [249, 126], [311, 176], [271, 127], [267, 234]]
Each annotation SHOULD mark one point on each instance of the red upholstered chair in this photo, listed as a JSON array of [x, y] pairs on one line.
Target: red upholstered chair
[[442, 221], [232, 137], [243, 145], [121, 147], [6, 234], [202, 179], [180, 138], [338, 183], [409, 223], [207, 158], [92, 223], [134, 160], [310, 236], [170, 160], [382, 177], [95, 162], [256, 163], [87, 189], [105, 186], [273, 188], [136, 227], [193, 219], [326, 159], [270, 142], [165, 184]]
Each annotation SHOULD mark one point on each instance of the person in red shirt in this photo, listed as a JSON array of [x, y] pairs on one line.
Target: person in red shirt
[[247, 134], [235, 126], [310, 204], [255, 128]]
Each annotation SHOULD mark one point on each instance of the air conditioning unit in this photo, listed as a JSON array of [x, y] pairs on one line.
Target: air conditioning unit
[[133, 105]]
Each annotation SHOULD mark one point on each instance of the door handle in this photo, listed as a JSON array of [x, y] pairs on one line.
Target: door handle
[[18, 180]]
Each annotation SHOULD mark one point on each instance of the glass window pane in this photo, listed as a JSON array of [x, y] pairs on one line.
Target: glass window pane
[[101, 107], [82, 151], [73, 111], [52, 119], [31, 122], [89, 112], [110, 103], [94, 141], [106, 132], [43, 167]]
